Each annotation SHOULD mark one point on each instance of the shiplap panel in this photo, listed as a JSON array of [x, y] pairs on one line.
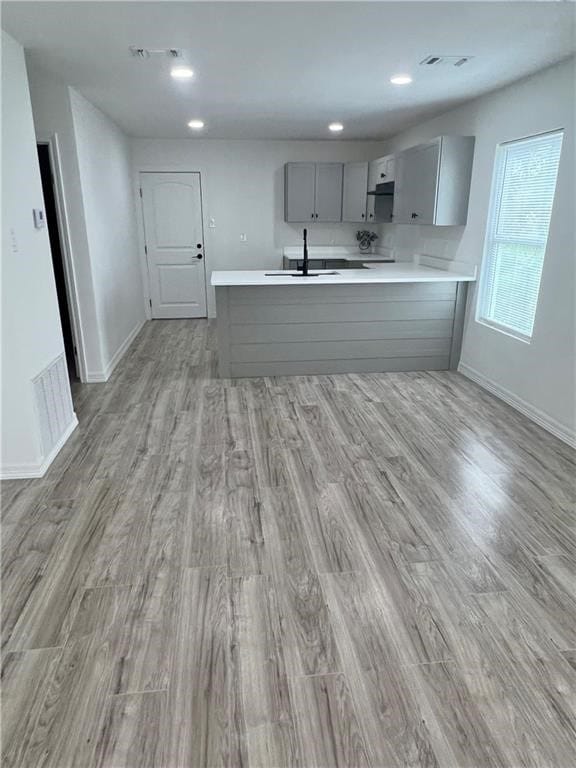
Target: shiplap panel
[[337, 350], [340, 331], [340, 294], [371, 365], [349, 312]]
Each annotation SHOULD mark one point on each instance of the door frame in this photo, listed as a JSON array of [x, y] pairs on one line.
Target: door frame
[[64, 236], [142, 238]]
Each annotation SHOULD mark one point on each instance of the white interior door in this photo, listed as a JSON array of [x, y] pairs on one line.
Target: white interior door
[[172, 210]]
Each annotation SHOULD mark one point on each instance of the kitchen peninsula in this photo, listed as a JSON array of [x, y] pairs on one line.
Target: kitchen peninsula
[[406, 316]]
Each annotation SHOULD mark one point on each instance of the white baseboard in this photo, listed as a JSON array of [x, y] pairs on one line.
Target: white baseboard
[[534, 414], [99, 377], [29, 471]]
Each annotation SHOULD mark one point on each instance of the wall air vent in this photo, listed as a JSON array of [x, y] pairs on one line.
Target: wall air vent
[[146, 53], [445, 61], [53, 403]]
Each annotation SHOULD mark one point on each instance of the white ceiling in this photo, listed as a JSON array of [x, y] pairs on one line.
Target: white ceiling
[[285, 70]]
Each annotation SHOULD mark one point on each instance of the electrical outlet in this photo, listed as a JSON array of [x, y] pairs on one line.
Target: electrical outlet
[[212, 222], [243, 237]]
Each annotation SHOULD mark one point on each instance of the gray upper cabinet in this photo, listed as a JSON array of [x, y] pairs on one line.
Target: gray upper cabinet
[[355, 188], [432, 182], [313, 192], [299, 191], [329, 191]]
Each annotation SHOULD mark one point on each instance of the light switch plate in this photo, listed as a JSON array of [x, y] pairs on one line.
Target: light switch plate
[[39, 219]]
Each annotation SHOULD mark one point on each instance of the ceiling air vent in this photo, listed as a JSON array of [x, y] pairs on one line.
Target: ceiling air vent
[[445, 61], [146, 53]]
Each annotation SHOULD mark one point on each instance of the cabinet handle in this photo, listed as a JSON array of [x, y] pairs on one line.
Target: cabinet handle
[[316, 215], [414, 215], [371, 215], [363, 215], [382, 175]]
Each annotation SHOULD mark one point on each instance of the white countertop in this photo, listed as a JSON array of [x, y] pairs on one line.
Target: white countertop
[[399, 272]]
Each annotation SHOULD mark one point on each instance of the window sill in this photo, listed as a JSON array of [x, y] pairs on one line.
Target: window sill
[[504, 330]]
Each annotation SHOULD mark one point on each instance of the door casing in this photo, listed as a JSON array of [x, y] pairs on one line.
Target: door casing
[[67, 254]]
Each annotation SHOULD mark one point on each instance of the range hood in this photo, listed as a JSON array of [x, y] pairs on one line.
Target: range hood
[[383, 190]]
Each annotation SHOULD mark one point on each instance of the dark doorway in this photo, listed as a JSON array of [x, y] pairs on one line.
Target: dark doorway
[[57, 256]]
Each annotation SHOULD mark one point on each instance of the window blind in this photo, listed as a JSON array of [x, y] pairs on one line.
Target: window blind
[[522, 195]]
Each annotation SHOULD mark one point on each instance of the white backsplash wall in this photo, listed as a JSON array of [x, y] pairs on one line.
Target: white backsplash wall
[[243, 191], [408, 239], [319, 234]]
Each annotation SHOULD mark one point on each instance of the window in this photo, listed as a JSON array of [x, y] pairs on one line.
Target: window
[[520, 207]]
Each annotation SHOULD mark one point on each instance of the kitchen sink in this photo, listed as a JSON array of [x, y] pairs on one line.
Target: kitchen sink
[[299, 274]]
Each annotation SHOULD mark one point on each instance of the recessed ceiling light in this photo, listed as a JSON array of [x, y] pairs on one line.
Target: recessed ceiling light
[[182, 73], [196, 124], [401, 80], [336, 127]]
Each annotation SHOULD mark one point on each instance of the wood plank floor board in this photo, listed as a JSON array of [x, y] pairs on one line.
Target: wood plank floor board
[[26, 676], [390, 520], [247, 552], [133, 731], [26, 550], [419, 638], [330, 732], [200, 707], [263, 682], [365, 623], [68, 727], [47, 616], [397, 729], [310, 647], [334, 570], [468, 742]]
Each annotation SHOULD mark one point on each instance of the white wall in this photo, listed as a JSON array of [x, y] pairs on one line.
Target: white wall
[[31, 331], [96, 170], [540, 376], [243, 190], [106, 183]]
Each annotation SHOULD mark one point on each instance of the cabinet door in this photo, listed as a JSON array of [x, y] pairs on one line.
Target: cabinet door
[[328, 192], [425, 179], [384, 169], [354, 194], [399, 208], [299, 186], [390, 168], [415, 185], [371, 199]]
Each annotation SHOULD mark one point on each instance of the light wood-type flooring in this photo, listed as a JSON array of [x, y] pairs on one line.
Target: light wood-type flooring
[[358, 570]]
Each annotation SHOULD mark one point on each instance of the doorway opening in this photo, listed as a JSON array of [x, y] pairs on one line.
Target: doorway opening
[[55, 235]]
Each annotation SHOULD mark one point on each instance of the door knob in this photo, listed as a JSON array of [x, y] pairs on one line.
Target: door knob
[[198, 245]]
